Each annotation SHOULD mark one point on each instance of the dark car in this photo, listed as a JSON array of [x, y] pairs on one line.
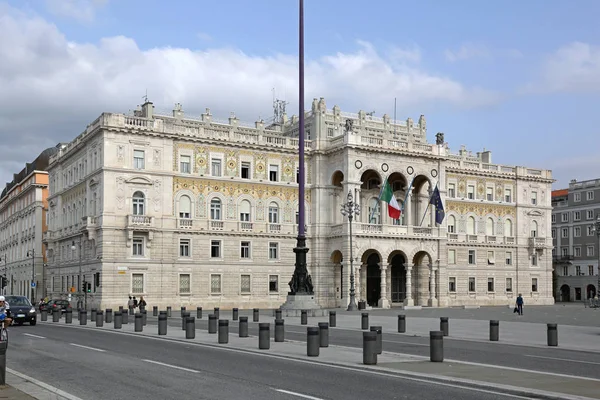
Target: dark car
[[21, 310], [55, 305]]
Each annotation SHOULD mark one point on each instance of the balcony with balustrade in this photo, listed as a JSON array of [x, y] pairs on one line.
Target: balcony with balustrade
[[140, 222]]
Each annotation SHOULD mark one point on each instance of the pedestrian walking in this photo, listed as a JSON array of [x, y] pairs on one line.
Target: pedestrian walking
[[520, 304], [130, 305], [142, 303]]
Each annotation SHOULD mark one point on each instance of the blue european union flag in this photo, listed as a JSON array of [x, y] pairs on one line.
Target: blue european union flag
[[436, 200]]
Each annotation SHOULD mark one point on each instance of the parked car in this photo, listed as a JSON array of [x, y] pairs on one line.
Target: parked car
[[22, 310], [57, 304]]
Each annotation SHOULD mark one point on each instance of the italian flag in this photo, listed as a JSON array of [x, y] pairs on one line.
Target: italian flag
[[387, 195]]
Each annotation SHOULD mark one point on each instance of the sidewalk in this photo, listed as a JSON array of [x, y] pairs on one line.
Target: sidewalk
[[9, 392]]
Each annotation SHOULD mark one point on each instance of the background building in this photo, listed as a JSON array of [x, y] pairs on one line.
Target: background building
[[201, 211], [23, 206], [575, 253]]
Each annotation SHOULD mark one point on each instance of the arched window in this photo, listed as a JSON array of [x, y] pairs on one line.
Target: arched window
[[534, 228], [245, 211], [185, 207], [215, 209], [374, 211], [489, 227], [471, 226], [273, 213], [451, 224], [508, 228], [139, 206]]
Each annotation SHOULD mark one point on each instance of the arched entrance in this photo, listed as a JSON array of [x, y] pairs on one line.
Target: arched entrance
[[590, 291], [565, 293], [398, 278], [373, 279]]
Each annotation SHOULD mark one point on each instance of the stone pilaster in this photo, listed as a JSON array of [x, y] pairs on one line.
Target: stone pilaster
[[383, 299], [409, 299]]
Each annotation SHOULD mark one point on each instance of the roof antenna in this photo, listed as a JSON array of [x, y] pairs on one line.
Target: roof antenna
[[145, 97]]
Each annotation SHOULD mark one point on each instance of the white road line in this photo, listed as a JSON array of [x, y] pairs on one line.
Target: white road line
[[24, 388], [304, 396], [172, 366], [564, 359], [87, 347], [35, 336]]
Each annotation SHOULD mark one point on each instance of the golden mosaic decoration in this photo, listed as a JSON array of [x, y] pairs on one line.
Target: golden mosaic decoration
[[480, 209]]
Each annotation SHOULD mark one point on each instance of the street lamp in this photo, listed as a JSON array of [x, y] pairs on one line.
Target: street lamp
[[596, 228], [350, 209], [79, 295], [31, 253]]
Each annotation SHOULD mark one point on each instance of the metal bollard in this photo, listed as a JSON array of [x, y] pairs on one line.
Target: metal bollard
[[138, 327], [323, 334], [199, 312], [83, 317], [436, 346], [118, 319], [212, 323], [494, 330], [303, 317], [44, 315], [223, 331], [216, 312], [69, 316], [332, 319], [364, 321], [169, 311], [279, 330], [93, 315], [56, 316], [401, 323], [190, 327], [370, 348], [99, 319], [108, 317], [3, 346], [144, 317], [236, 314], [264, 336], [552, 334], [379, 343], [444, 325], [162, 323], [255, 315], [155, 311], [278, 314], [184, 315], [312, 341], [243, 329]]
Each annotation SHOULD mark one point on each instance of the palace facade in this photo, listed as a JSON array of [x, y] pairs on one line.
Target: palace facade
[[196, 211]]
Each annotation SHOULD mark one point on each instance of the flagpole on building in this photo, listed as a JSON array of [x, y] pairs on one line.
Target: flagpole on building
[[428, 203]]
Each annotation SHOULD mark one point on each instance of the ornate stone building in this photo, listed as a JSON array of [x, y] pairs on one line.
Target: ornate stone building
[[203, 212]]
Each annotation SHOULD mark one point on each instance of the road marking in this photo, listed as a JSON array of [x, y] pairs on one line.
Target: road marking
[[87, 347], [304, 396], [564, 359], [24, 387], [35, 336], [172, 366]]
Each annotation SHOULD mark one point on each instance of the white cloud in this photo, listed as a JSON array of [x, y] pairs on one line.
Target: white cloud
[[81, 10], [53, 87], [469, 51]]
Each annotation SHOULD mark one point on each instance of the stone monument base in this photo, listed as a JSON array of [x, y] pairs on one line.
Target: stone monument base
[[295, 303]]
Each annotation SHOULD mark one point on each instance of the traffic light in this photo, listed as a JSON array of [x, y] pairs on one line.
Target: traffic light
[[3, 281], [88, 287]]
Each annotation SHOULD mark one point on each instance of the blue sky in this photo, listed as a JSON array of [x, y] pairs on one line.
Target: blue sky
[[519, 78]]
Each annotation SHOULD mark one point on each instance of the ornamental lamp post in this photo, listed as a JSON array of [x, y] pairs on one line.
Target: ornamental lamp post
[[31, 253], [350, 209], [596, 229]]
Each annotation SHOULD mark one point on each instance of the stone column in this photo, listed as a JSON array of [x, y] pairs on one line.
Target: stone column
[[432, 297], [408, 209], [383, 299], [357, 282], [408, 301]]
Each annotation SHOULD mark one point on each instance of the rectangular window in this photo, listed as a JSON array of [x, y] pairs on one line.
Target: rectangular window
[[452, 256], [471, 257], [246, 170], [577, 216], [590, 214], [490, 257], [471, 284], [273, 250], [184, 247], [138, 247], [578, 270], [565, 271], [490, 284], [590, 270], [138, 159], [452, 285], [185, 283], [577, 251], [137, 283], [553, 233], [471, 192], [534, 285], [577, 231], [273, 173], [577, 197], [564, 217], [273, 283], [553, 218], [590, 251], [509, 285], [565, 251], [590, 231], [215, 283], [534, 198], [215, 167], [245, 250], [590, 195], [185, 164], [245, 284], [507, 195], [534, 260], [215, 249], [452, 190], [489, 194], [508, 258], [245, 216], [329, 132], [565, 232]]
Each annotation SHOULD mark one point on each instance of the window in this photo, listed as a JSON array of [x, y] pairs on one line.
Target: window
[[215, 249], [273, 250], [273, 173], [564, 217], [329, 132], [451, 224], [508, 258], [452, 285], [490, 258], [471, 226], [215, 167], [137, 283], [273, 213], [565, 251], [534, 285], [215, 283], [553, 218], [451, 256], [489, 227], [577, 216], [590, 251], [215, 209], [452, 190], [245, 250], [246, 170], [185, 283], [534, 228], [577, 231], [589, 195], [590, 214], [509, 285], [565, 271], [184, 247], [471, 257], [138, 247], [185, 164], [565, 232], [245, 284], [590, 231], [577, 197], [578, 270], [245, 211], [553, 233], [471, 284], [508, 228], [273, 283], [534, 260], [490, 284], [185, 207], [577, 251], [471, 192], [489, 194], [507, 195], [534, 198], [138, 203], [138, 159], [590, 270]]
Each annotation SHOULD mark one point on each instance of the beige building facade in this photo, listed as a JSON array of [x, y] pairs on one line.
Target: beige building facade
[[203, 212]]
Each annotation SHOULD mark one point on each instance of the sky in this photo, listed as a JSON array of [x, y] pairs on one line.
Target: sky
[[519, 78]]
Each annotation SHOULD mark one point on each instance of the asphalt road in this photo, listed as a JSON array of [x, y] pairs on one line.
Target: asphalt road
[[102, 365]]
